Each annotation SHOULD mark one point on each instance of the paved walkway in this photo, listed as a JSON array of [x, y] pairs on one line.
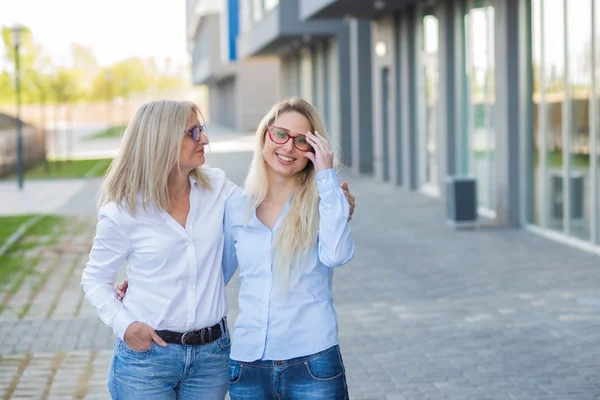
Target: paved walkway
[[425, 312]]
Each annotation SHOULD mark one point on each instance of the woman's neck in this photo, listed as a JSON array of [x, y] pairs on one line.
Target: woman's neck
[[178, 184], [280, 188]]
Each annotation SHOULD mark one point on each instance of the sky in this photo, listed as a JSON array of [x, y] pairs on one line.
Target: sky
[[113, 29]]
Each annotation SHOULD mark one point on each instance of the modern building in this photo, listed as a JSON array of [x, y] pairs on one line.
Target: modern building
[[240, 92], [417, 91], [315, 63]]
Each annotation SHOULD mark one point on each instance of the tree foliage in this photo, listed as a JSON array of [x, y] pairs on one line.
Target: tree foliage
[[44, 82]]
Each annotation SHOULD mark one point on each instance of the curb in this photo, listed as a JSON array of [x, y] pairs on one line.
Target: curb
[[15, 237]]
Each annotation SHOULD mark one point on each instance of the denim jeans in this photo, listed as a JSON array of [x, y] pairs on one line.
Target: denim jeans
[[318, 376], [172, 372]]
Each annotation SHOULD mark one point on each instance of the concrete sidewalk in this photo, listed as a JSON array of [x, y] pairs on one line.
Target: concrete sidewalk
[[425, 312]]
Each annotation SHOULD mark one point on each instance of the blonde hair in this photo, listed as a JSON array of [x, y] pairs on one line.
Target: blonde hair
[[149, 151], [297, 233]]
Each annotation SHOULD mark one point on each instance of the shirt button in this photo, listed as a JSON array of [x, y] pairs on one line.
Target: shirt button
[[324, 180]]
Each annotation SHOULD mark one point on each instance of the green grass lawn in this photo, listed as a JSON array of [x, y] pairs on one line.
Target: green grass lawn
[[9, 225], [45, 232], [112, 132], [67, 169]]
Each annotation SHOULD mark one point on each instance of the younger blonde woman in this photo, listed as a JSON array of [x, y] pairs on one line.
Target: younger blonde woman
[[287, 231]]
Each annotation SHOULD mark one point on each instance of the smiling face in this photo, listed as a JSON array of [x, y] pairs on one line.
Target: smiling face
[[191, 155], [285, 159]]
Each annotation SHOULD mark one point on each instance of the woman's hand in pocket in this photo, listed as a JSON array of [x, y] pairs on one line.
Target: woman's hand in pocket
[[139, 337]]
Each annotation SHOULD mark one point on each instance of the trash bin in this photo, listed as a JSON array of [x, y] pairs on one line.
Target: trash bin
[[461, 200]]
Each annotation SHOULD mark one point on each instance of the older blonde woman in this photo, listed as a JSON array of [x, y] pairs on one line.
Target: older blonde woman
[[288, 231], [162, 215]]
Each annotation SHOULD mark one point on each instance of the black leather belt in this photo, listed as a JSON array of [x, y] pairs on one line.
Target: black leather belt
[[197, 337]]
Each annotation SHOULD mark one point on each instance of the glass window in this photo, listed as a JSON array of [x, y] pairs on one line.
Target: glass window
[[539, 111], [257, 10], [480, 70], [579, 37], [429, 81], [595, 124], [563, 127], [271, 4], [245, 15]]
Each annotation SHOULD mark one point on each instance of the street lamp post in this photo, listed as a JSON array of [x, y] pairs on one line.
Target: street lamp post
[[16, 41]]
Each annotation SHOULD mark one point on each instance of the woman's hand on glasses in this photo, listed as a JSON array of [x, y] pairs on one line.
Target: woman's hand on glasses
[[322, 158]]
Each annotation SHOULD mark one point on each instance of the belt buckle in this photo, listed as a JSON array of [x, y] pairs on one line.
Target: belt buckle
[[183, 338], [199, 332]]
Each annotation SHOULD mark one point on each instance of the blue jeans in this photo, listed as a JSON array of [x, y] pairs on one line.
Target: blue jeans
[[172, 372], [318, 376]]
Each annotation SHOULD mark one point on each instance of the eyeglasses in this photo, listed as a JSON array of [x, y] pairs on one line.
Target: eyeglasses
[[197, 131], [282, 136]]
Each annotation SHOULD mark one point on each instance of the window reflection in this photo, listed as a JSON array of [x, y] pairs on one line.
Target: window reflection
[[579, 37], [562, 88], [480, 68], [429, 101], [253, 11]]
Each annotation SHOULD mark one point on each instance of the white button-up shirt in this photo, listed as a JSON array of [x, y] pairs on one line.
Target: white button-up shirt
[[175, 274]]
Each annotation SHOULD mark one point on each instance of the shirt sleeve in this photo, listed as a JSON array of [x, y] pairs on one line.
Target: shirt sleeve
[[109, 252], [230, 261], [336, 244]]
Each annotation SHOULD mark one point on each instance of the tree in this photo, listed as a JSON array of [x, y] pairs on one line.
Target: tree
[[7, 89], [65, 89], [28, 53], [85, 65], [120, 80]]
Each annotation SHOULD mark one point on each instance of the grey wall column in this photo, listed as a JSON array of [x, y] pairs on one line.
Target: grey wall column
[[385, 106], [214, 104], [506, 113], [400, 98], [460, 99], [284, 80], [361, 96], [345, 110], [325, 67], [290, 76], [408, 81], [317, 76], [333, 100], [527, 186], [446, 135]]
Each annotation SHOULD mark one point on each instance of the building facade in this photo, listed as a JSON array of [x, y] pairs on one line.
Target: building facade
[[417, 91], [239, 91]]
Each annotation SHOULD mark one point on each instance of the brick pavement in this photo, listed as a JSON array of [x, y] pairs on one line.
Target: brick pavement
[[425, 312]]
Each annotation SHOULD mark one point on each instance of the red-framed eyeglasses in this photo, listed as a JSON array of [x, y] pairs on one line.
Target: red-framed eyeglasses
[[282, 136]]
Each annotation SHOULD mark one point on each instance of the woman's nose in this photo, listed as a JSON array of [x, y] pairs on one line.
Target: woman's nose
[[203, 138], [289, 145]]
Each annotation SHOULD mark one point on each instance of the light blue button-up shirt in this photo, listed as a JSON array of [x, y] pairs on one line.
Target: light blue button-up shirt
[[274, 324]]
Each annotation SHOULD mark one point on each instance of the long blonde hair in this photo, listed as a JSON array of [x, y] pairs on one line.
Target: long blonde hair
[[149, 152], [297, 233]]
